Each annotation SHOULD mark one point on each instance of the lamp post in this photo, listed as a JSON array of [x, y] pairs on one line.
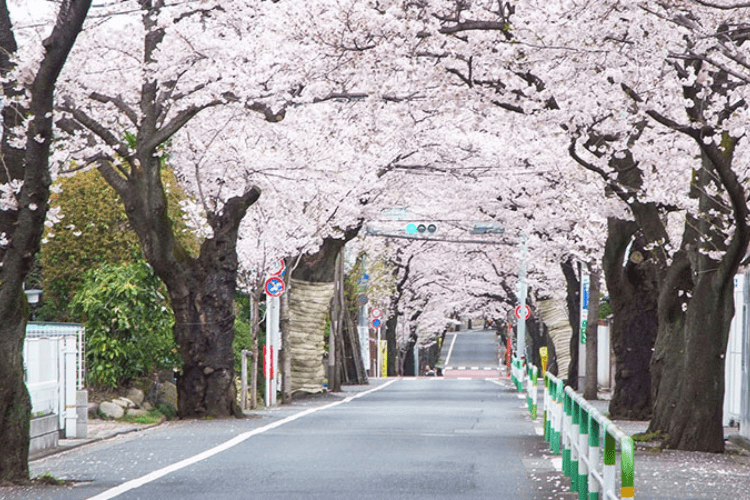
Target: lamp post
[[34, 298]]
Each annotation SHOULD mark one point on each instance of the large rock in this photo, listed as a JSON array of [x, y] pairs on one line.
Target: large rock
[[135, 412], [166, 393], [93, 409], [136, 396], [111, 410], [125, 403]]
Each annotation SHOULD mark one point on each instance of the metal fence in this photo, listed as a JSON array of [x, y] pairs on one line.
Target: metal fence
[[575, 429], [55, 368]]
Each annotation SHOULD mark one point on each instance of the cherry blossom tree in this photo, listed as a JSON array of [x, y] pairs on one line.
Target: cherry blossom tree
[[30, 71], [123, 114]]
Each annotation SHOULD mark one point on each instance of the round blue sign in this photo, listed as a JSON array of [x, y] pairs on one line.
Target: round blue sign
[[274, 286]]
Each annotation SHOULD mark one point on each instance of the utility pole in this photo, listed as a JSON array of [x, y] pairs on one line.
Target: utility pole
[[522, 294], [362, 329]]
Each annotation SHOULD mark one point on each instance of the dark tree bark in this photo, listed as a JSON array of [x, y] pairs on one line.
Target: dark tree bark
[[22, 227], [394, 312], [633, 298], [696, 307], [201, 288], [573, 299]]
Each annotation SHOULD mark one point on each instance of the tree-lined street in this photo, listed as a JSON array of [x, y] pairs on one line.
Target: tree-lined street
[[541, 142], [409, 438]]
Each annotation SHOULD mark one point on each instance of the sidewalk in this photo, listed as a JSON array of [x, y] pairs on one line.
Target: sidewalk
[[672, 474], [100, 429]]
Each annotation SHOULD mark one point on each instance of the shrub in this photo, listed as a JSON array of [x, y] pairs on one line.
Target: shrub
[[128, 324]]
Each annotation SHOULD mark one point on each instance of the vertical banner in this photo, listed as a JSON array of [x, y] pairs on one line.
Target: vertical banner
[[383, 358], [585, 282]]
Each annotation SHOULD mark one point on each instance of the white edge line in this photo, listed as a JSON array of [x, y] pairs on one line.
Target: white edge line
[[450, 349], [153, 476]]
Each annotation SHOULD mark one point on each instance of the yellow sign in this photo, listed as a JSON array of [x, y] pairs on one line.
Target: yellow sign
[[543, 354], [384, 358]]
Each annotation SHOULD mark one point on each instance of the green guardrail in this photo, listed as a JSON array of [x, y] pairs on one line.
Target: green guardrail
[[517, 373], [576, 429]]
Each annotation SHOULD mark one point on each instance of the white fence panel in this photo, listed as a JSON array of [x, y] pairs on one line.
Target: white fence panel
[[54, 361]]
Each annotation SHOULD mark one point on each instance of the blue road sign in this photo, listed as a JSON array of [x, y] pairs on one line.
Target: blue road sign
[[274, 286]]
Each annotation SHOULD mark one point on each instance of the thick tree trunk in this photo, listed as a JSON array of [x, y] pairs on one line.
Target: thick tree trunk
[[286, 355], [696, 307], [255, 330], [573, 298], [22, 226], [204, 332], [390, 338], [632, 286], [15, 404], [688, 408], [202, 295], [201, 289]]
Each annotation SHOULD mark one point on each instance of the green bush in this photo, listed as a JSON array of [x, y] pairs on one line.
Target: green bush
[[128, 324]]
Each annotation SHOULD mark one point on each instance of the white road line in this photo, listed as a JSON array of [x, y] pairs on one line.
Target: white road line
[[153, 476], [450, 350]]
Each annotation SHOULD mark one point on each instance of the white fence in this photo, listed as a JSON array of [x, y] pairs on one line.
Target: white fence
[[55, 369]]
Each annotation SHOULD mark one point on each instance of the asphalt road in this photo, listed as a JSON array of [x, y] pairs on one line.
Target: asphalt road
[[470, 354], [422, 438]]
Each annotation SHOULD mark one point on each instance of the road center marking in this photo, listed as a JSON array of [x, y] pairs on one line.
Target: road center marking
[[153, 476]]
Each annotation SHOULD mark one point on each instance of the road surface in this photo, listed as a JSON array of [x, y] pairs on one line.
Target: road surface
[[416, 438]]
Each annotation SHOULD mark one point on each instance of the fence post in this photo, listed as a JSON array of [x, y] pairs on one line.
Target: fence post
[[566, 430], [583, 453], [531, 393], [69, 385], [594, 455], [610, 459], [559, 413], [575, 431], [545, 417], [627, 486]]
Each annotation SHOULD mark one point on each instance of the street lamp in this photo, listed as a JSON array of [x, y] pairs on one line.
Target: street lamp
[[34, 298]]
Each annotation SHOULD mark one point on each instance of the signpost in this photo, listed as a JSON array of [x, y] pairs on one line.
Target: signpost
[[376, 323], [273, 287]]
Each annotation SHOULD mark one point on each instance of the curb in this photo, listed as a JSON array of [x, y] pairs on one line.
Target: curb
[[71, 444]]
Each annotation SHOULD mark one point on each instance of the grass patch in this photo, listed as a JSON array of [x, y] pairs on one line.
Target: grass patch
[[646, 437], [152, 417], [49, 480]]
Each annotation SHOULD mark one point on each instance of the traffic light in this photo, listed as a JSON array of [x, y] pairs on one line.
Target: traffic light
[[421, 228]]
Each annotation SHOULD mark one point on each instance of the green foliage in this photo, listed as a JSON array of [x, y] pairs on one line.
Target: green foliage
[[152, 417], [128, 324], [94, 230], [166, 410], [49, 480], [605, 310], [243, 337]]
